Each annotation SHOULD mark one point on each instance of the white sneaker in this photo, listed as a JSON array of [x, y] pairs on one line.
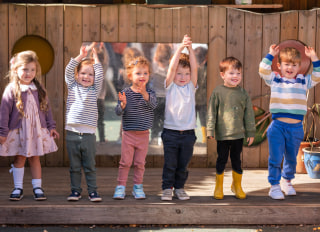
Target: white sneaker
[[181, 194], [287, 188], [167, 195], [276, 193]]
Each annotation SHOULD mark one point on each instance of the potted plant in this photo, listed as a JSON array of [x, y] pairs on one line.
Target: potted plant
[[310, 123]]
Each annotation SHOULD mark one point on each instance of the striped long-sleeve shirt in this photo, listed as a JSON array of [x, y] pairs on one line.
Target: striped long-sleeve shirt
[[288, 96], [138, 113], [82, 101]]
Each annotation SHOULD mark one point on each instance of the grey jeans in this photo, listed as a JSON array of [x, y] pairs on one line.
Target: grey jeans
[[82, 151]]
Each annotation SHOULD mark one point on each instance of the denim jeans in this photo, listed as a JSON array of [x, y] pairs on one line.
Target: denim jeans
[[82, 151], [178, 150], [284, 140]]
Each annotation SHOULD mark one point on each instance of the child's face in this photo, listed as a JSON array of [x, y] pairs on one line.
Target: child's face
[[139, 75], [86, 76], [289, 69], [231, 77], [26, 73], [183, 76]]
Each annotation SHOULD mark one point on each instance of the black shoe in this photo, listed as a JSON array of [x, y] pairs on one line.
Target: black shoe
[[16, 196], [39, 196], [74, 196]]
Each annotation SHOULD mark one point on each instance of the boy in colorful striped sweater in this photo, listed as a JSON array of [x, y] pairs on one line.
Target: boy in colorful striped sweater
[[288, 105]]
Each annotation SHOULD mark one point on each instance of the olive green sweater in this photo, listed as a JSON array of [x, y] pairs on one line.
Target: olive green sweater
[[230, 114]]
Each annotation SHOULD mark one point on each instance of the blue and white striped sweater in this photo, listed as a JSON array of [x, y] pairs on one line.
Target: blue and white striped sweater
[[288, 96], [82, 101]]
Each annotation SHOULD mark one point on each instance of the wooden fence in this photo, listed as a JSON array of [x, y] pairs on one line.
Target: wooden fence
[[227, 32]]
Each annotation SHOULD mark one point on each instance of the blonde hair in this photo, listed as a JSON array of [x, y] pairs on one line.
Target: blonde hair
[[17, 61], [136, 62], [289, 54], [228, 62]]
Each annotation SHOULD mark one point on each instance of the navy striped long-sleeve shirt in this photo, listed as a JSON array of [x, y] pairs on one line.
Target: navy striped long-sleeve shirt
[[138, 113], [82, 101]]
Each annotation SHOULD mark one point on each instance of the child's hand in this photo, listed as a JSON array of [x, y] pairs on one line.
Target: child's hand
[[83, 51], [210, 137], [311, 53], [274, 49], [123, 100], [2, 140], [54, 134], [250, 140], [186, 42], [142, 89]]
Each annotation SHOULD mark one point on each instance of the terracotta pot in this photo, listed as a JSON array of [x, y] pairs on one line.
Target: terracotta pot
[[300, 168]]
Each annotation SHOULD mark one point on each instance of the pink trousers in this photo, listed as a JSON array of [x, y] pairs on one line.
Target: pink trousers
[[134, 149]]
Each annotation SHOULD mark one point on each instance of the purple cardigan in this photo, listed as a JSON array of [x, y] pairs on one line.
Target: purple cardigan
[[11, 119]]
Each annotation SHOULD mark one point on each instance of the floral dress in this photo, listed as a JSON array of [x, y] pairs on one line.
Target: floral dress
[[30, 139]]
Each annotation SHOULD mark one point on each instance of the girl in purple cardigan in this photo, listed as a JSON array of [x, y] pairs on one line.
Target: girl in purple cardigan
[[27, 129]]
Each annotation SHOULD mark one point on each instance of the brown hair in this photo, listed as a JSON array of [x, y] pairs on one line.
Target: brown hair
[[184, 60], [136, 62], [228, 62], [83, 62], [289, 54], [163, 54], [18, 60]]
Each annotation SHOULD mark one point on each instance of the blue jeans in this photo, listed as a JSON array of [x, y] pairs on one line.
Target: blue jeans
[[284, 141], [178, 150], [82, 151]]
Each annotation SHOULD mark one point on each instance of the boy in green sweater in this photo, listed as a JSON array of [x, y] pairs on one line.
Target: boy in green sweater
[[230, 118]]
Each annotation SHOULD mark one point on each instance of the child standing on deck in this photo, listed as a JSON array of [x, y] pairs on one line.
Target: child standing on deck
[[230, 118], [27, 129], [136, 104], [288, 105], [178, 134], [84, 78]]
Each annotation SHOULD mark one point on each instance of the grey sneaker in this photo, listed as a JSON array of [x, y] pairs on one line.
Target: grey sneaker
[[167, 195], [181, 194]]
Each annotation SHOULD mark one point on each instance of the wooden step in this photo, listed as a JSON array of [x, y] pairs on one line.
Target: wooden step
[[258, 208]]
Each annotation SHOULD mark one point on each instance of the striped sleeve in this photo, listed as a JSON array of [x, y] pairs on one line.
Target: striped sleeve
[[314, 78], [265, 71]]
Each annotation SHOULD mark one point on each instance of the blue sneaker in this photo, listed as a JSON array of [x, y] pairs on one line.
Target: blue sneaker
[[120, 192], [138, 192]]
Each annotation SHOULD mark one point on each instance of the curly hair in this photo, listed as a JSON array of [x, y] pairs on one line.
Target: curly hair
[[136, 62], [17, 61]]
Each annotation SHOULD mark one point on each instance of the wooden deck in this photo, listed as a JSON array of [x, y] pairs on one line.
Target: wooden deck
[[258, 208]]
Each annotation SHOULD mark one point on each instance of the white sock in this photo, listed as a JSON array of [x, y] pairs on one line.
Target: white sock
[[36, 183], [18, 174]]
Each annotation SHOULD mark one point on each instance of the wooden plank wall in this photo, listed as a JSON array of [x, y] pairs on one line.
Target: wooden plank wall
[[227, 32]]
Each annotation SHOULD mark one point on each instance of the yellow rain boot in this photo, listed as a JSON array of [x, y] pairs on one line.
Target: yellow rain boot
[[236, 185], [218, 191], [204, 134]]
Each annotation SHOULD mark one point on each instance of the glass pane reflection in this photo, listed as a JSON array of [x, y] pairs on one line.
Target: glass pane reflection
[[159, 55]]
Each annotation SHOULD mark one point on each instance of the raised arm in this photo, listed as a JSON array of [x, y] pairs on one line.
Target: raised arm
[[175, 61], [193, 66]]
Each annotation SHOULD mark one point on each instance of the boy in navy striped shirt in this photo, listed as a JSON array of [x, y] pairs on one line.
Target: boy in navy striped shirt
[[84, 78], [136, 104]]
